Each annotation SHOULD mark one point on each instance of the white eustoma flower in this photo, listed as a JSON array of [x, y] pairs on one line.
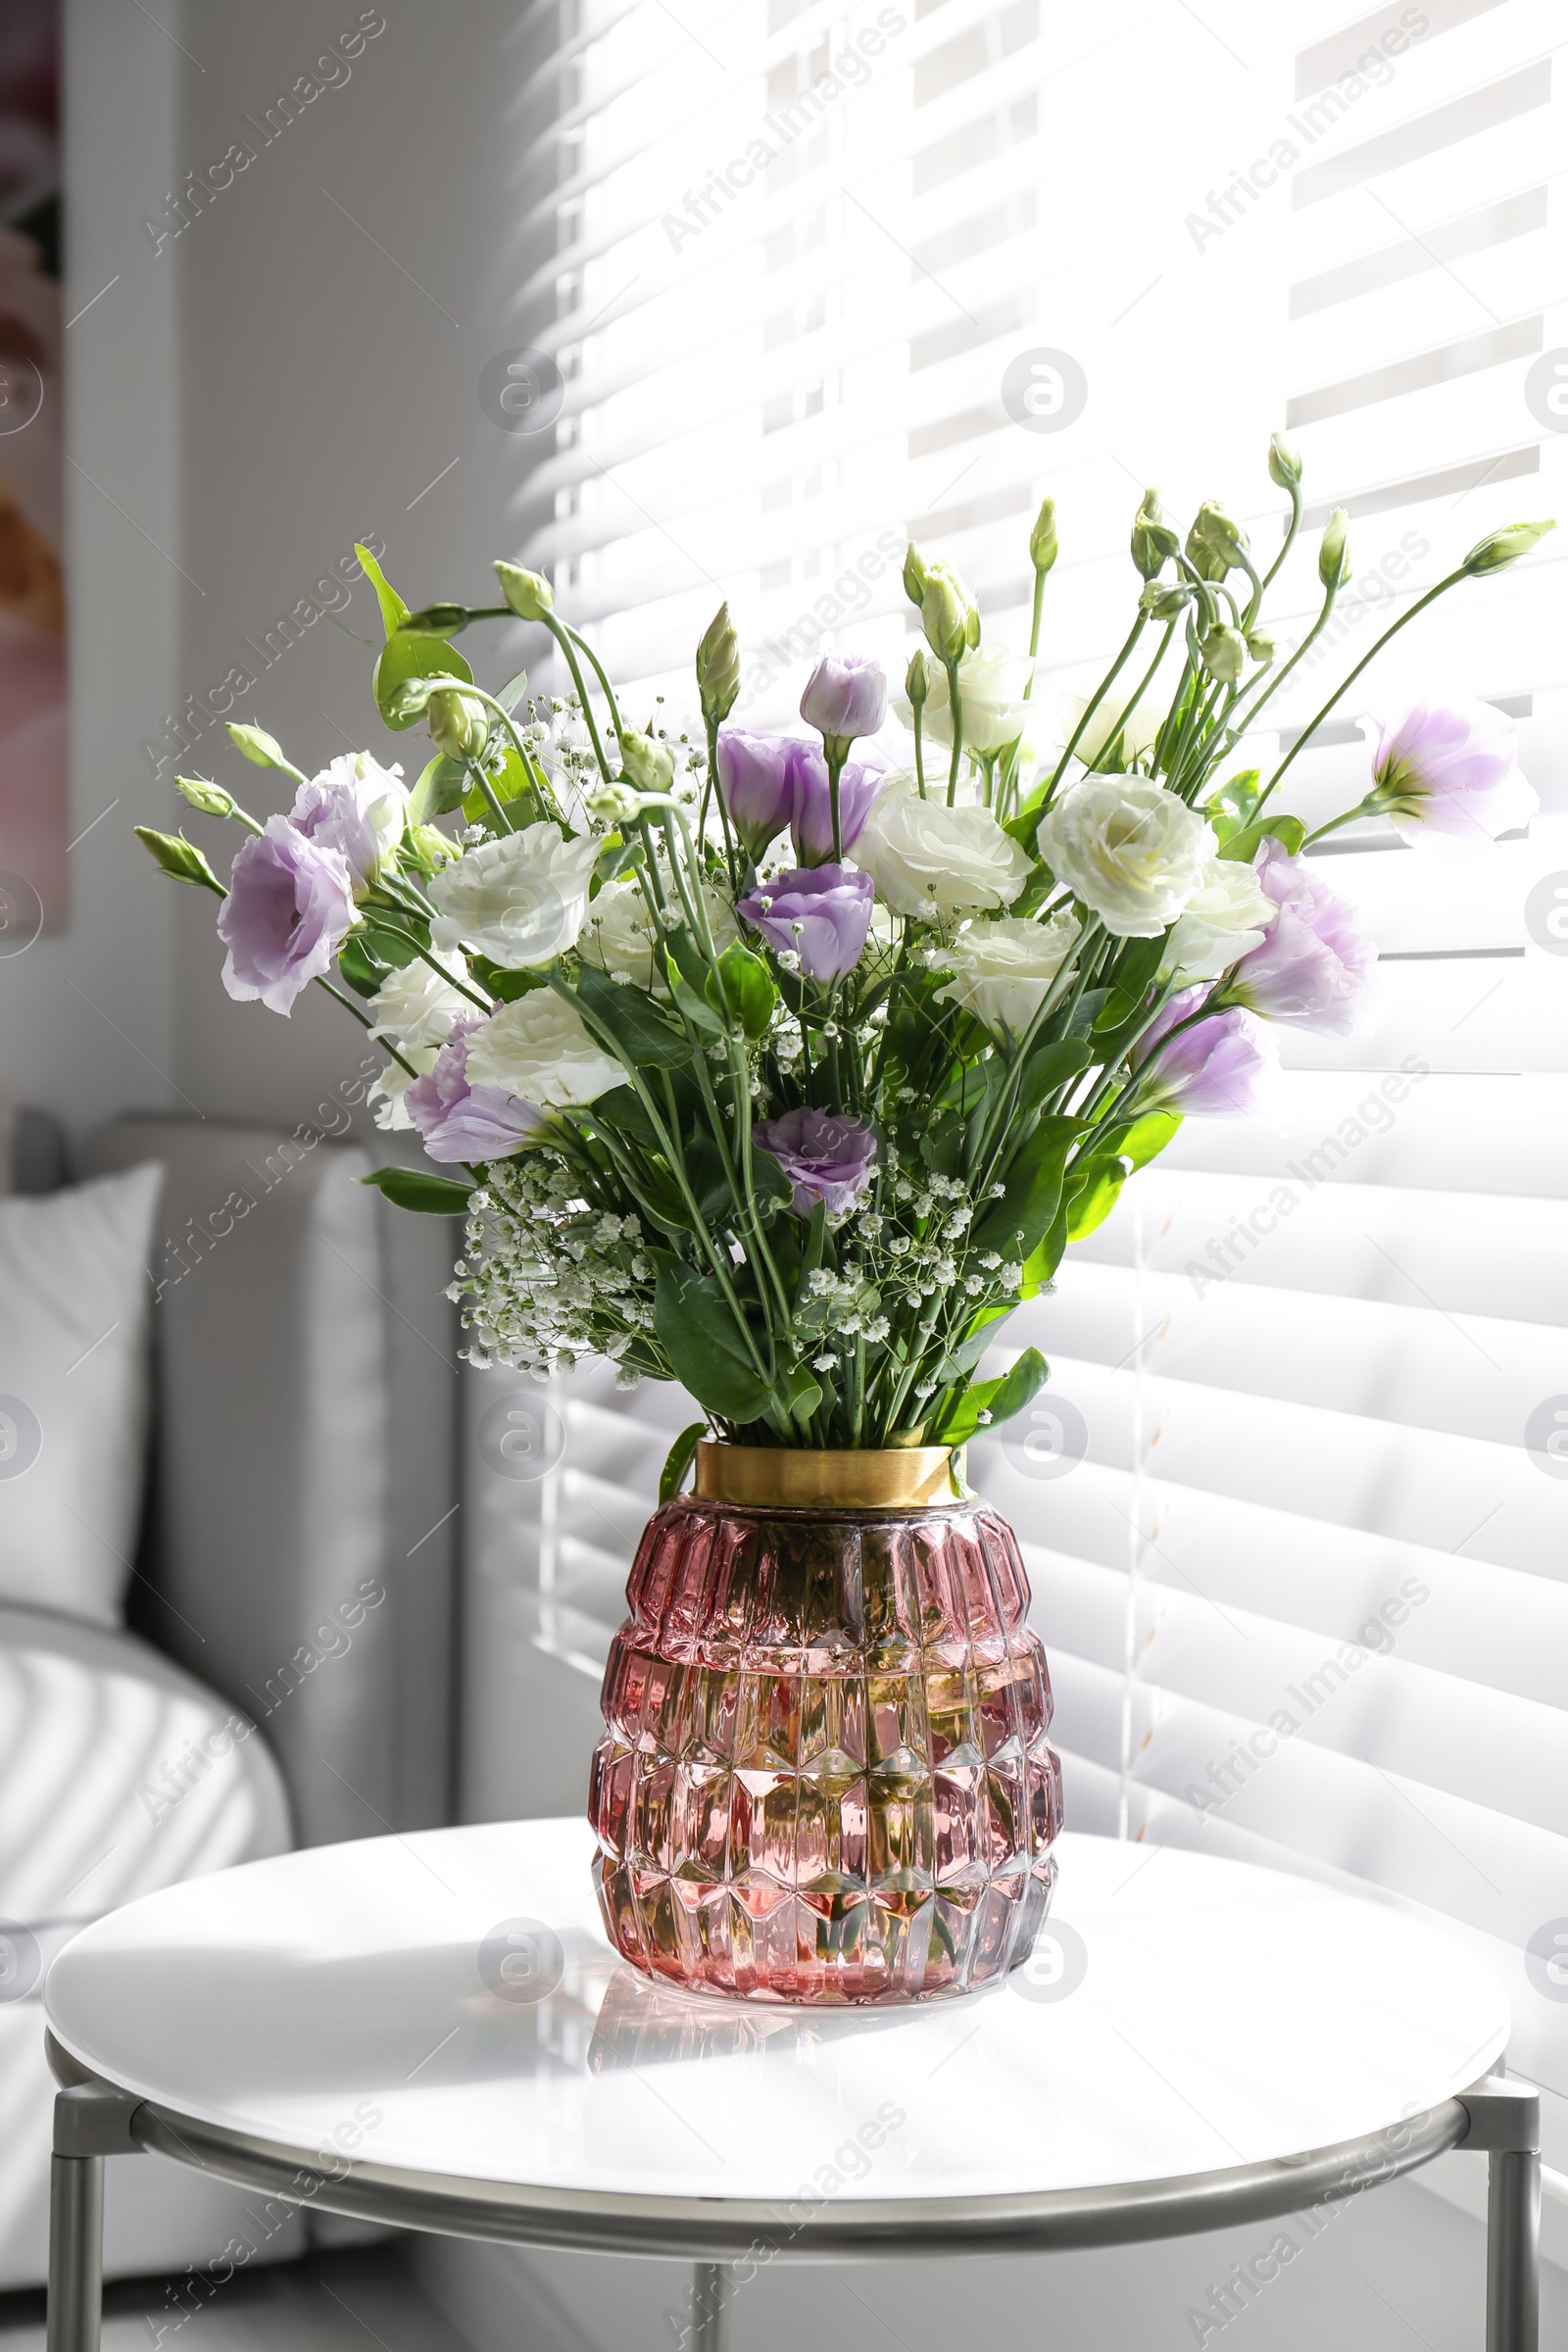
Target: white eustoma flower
[[991, 695], [1138, 735], [520, 900], [934, 862], [1131, 851], [1002, 969], [620, 935], [1224, 920], [416, 1006], [385, 1097], [538, 1050]]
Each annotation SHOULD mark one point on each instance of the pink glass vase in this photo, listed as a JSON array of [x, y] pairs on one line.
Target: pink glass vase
[[825, 1775]]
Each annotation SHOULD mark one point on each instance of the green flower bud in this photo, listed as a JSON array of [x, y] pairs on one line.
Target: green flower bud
[[257, 747], [1333, 554], [913, 574], [431, 847], [1164, 599], [649, 763], [949, 613], [1260, 645], [718, 668], [1154, 541], [434, 620], [611, 804], [528, 593], [918, 679], [1506, 547], [1222, 541], [458, 725], [1224, 653], [1043, 538], [211, 798], [1284, 463]]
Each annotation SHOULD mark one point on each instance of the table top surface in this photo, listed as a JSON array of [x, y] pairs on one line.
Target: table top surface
[[445, 2002]]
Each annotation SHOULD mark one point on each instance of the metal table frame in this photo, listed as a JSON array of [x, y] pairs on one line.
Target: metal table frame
[[95, 2118]]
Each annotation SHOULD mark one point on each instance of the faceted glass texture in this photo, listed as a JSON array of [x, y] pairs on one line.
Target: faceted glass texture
[[825, 1775]]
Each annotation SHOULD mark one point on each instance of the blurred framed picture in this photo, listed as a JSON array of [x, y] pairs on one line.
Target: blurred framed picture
[[34, 774]]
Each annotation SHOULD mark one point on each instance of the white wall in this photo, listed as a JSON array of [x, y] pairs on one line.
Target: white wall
[[257, 390]]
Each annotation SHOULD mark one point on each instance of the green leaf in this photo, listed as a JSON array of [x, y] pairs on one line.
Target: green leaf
[[640, 1031], [405, 657], [412, 1187], [1000, 1399], [802, 1394], [679, 1459], [393, 609], [749, 992], [1233, 805], [769, 1183], [359, 968], [509, 782], [1049, 1068], [1015, 1223], [621, 1109], [181, 859], [1097, 1189], [696, 1009], [1146, 1137], [708, 1353], [513, 692], [1288, 831], [440, 789], [1045, 1258], [506, 987], [982, 1331]]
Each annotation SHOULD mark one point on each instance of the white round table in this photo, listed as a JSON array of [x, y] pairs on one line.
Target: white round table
[[432, 2030]]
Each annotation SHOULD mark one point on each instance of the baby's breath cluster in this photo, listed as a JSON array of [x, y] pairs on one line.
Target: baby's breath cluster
[[546, 1277]]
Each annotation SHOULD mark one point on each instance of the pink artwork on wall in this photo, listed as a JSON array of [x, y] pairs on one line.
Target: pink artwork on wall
[[34, 772]]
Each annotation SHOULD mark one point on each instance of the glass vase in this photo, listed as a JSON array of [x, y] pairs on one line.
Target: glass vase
[[825, 1775]]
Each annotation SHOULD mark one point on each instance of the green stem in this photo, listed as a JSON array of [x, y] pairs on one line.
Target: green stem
[[487, 791], [1093, 704], [919, 753], [1403, 621], [562, 637], [955, 712], [599, 672]]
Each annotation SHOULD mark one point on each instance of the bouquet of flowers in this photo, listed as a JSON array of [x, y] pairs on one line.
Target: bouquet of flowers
[[765, 1065]]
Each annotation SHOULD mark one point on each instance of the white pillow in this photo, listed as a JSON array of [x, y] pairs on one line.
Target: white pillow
[[74, 1300]]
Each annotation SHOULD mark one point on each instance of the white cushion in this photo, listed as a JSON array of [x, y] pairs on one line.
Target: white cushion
[[74, 1302]]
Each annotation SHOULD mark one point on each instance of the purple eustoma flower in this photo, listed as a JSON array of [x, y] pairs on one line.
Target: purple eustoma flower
[[825, 1156], [811, 814], [289, 908], [1313, 963], [846, 695], [1217, 1069], [462, 1122], [821, 913], [757, 777], [1451, 770]]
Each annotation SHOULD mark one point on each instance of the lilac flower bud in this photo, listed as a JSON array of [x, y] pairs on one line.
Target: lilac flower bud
[[819, 912], [811, 807], [528, 593], [757, 777], [1504, 547], [846, 695], [1284, 463], [1217, 1069], [825, 1156]]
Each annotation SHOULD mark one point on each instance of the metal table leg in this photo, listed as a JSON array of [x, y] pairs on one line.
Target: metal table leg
[[709, 2286], [1506, 2121], [90, 2122]]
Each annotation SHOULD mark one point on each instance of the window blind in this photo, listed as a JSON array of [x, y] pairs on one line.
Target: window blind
[[1302, 1580]]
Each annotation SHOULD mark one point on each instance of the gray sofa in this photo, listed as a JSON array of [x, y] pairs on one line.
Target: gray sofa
[[296, 1571]]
